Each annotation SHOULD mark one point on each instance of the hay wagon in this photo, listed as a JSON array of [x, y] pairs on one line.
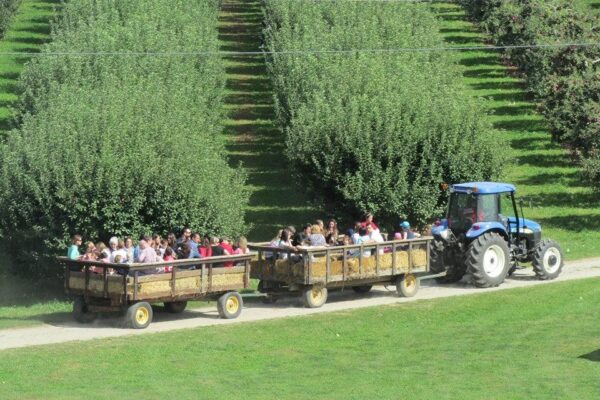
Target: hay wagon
[[311, 271], [132, 288]]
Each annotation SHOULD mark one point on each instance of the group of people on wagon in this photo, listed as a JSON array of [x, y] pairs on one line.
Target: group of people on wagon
[[320, 235], [155, 249]]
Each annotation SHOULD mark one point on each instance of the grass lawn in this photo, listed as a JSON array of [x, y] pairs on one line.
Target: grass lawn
[[494, 346], [30, 28], [567, 208]]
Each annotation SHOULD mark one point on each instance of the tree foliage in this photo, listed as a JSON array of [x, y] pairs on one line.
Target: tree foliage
[[8, 8], [374, 131], [565, 79], [119, 144]]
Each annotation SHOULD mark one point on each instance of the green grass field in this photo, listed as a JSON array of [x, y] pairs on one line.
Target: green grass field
[[497, 345], [546, 178]]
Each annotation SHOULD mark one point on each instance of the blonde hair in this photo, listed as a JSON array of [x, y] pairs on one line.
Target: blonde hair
[[315, 229], [242, 242]]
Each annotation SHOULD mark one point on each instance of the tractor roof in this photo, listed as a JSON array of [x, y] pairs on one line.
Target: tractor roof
[[483, 187]]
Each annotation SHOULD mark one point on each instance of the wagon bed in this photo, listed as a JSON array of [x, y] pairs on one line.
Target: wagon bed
[[139, 283], [312, 269]]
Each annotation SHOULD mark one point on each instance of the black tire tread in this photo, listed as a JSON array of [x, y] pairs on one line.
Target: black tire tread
[[474, 255], [221, 305], [537, 261]]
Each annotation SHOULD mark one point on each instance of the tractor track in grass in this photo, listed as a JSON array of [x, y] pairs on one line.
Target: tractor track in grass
[[64, 329]]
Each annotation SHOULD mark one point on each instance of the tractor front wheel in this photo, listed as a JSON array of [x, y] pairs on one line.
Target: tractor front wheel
[[547, 260], [488, 260]]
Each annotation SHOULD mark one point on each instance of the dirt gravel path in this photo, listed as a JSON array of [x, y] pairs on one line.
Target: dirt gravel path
[[254, 310]]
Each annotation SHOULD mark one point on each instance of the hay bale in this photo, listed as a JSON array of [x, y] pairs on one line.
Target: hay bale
[[353, 269], [319, 268], [337, 267], [419, 258], [369, 266], [385, 261], [402, 259], [96, 283], [236, 279], [282, 268]]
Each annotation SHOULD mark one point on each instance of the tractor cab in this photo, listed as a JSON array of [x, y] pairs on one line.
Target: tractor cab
[[479, 207], [483, 233]]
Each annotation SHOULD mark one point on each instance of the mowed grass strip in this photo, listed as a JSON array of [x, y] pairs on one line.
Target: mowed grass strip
[[545, 176], [29, 29], [278, 198], [533, 343]]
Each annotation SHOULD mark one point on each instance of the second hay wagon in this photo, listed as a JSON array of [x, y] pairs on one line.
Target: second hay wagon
[[311, 271]]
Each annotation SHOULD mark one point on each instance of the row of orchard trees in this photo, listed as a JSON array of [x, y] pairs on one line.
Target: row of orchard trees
[[374, 131], [112, 144], [8, 8], [565, 79]]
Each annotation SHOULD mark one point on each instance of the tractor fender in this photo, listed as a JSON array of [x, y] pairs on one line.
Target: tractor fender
[[479, 228]]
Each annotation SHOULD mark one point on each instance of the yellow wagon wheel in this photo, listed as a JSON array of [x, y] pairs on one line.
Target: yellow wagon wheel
[[230, 305], [407, 285], [139, 315], [314, 297]]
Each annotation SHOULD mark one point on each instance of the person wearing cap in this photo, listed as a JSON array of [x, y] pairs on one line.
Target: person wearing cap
[[405, 231]]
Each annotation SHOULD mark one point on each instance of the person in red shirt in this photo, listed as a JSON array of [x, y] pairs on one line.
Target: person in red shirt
[[368, 221], [205, 249], [227, 249]]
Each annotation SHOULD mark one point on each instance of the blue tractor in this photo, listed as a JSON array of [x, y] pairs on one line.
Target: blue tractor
[[484, 235]]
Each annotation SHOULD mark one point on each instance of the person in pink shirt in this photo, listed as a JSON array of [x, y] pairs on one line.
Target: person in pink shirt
[[242, 246]]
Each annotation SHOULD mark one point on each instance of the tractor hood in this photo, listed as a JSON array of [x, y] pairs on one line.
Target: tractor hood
[[524, 224]]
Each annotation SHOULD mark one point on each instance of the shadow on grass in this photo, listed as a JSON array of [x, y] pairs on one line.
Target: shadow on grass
[[587, 200], [545, 160], [594, 355], [254, 139], [521, 125], [574, 223], [572, 179]]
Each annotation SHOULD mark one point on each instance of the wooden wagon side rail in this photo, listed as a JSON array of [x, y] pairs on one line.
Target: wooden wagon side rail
[[373, 259], [131, 276]]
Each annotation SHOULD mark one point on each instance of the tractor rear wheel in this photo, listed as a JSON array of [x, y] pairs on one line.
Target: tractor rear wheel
[[454, 273], [488, 260], [547, 260]]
